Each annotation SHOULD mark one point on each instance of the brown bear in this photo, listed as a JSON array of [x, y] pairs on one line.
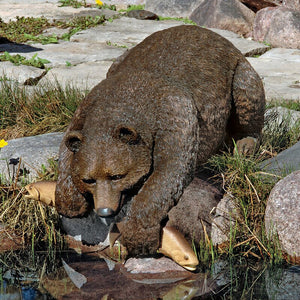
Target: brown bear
[[165, 107]]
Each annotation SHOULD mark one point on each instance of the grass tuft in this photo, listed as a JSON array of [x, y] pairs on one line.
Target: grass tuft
[[48, 109]]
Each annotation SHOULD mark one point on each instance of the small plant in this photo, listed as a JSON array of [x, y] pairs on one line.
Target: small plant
[[133, 7], [18, 59], [184, 20], [22, 28], [68, 64], [73, 3], [109, 43]]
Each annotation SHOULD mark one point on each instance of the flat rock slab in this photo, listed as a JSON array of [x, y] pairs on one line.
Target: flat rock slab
[[19, 73], [83, 76], [33, 152], [51, 11], [246, 46], [279, 69]]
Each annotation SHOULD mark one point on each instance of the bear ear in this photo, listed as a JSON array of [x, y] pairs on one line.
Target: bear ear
[[127, 135], [73, 141]]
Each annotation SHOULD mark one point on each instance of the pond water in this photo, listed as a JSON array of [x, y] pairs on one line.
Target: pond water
[[89, 277]]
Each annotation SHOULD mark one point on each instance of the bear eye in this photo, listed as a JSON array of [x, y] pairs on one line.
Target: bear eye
[[116, 177], [89, 181]]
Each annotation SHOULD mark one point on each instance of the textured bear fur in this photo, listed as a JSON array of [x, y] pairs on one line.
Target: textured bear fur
[[165, 107]]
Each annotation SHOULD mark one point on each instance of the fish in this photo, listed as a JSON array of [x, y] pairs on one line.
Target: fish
[[43, 191], [173, 243], [175, 246]]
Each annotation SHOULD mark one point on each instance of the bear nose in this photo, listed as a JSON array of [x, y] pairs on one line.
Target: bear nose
[[105, 212]]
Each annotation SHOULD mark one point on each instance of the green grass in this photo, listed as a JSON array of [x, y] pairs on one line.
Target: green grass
[[46, 110], [29, 29], [250, 187], [18, 59], [133, 7], [184, 20], [73, 3]]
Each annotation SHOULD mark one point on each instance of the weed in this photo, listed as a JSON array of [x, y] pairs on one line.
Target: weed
[[133, 7], [184, 20], [18, 59], [68, 64], [22, 28], [47, 109], [30, 29], [109, 43], [73, 3]]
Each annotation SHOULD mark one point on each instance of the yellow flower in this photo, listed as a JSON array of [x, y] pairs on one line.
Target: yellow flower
[[100, 3], [2, 143]]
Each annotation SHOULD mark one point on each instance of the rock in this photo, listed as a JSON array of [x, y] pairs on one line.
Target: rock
[[230, 15], [278, 26], [193, 210], [21, 74], [172, 8], [83, 76], [293, 4], [246, 46], [256, 5], [282, 215], [281, 116], [277, 68], [224, 220], [31, 153], [151, 265], [284, 163], [142, 14], [283, 284]]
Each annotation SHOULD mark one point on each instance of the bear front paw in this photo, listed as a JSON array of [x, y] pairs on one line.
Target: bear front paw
[[140, 241]]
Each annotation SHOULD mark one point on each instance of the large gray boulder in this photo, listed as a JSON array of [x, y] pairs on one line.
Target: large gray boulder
[[229, 15], [282, 216], [279, 26]]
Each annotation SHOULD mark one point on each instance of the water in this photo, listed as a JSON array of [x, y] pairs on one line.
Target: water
[[94, 280]]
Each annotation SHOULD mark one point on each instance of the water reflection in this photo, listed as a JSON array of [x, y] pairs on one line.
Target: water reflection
[[89, 277]]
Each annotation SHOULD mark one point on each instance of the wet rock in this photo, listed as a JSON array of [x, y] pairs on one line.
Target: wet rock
[[284, 163], [283, 284], [193, 210], [173, 8], [293, 4], [256, 5], [21, 74], [278, 26], [224, 220], [282, 214], [120, 284], [152, 265], [31, 153], [142, 14], [230, 15]]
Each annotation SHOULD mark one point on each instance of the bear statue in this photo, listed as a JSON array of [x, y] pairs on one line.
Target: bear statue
[[140, 135]]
